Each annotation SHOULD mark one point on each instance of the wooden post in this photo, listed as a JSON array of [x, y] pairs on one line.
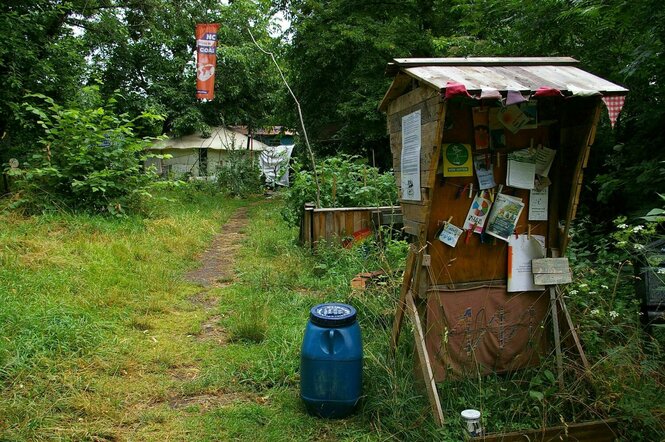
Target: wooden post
[[557, 336], [401, 303], [573, 333], [423, 357]]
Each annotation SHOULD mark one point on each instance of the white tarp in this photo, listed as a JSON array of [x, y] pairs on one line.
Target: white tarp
[[220, 138], [274, 164]]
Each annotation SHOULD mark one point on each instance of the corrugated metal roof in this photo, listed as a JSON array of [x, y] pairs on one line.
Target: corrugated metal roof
[[525, 74], [220, 138]]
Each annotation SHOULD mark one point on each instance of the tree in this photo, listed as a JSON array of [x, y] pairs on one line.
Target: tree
[[337, 57]]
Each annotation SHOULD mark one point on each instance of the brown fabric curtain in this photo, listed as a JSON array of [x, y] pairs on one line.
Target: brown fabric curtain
[[484, 329]]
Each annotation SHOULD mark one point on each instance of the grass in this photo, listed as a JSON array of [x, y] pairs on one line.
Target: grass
[[103, 339]]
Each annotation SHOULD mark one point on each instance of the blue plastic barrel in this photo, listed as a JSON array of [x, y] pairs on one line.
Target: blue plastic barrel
[[331, 361]]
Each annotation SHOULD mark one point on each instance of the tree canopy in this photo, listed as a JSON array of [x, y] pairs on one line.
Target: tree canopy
[[140, 52], [340, 48], [334, 55]]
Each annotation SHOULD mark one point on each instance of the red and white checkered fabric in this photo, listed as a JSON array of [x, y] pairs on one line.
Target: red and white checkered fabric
[[614, 105]]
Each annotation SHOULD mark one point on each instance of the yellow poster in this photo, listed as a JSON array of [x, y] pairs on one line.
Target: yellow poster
[[457, 160]]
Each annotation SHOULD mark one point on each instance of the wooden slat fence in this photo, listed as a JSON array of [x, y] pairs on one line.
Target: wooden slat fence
[[336, 224]]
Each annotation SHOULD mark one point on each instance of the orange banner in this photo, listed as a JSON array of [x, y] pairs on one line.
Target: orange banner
[[206, 60]]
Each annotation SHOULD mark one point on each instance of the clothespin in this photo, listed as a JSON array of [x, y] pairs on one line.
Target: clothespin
[[500, 188], [470, 190], [468, 234], [460, 191], [516, 234], [483, 237], [488, 161], [529, 232], [450, 218], [492, 195]]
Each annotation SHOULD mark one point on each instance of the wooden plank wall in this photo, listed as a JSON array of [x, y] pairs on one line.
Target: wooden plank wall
[[428, 101], [334, 224]]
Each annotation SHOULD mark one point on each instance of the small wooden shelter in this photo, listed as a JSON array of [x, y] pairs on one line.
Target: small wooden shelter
[[489, 155]]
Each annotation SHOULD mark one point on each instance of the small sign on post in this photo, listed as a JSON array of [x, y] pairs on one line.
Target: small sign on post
[[551, 271]]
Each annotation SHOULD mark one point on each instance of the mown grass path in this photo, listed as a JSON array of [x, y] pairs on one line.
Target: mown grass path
[[112, 330]]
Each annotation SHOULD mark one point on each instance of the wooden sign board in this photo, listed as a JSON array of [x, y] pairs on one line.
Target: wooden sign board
[[551, 271]]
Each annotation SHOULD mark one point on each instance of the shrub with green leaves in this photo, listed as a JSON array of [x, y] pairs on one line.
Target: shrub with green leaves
[[239, 175], [88, 159], [345, 181]]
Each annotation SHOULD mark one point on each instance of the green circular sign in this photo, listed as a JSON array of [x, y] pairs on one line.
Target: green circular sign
[[457, 154]]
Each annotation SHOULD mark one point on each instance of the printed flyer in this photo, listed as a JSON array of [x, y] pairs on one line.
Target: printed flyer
[[478, 211], [504, 215], [484, 172]]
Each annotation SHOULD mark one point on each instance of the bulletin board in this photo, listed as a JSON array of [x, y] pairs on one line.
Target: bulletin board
[[468, 286], [473, 323]]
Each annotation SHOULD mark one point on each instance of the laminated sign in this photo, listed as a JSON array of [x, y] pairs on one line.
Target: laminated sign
[[457, 160], [206, 60]]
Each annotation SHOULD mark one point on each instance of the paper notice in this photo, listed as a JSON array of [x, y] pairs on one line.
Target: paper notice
[[410, 159], [521, 170], [513, 118], [484, 171], [538, 204], [521, 251], [450, 234], [544, 160]]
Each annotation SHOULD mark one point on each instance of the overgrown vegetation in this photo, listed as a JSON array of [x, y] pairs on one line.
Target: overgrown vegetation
[[239, 174], [87, 159], [345, 181], [106, 340]]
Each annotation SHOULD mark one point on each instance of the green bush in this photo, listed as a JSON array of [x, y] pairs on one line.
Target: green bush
[[239, 175], [88, 159], [355, 184]]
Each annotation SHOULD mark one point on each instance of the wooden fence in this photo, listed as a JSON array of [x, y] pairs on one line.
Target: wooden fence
[[337, 224]]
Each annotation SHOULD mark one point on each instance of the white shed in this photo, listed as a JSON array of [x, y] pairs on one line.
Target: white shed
[[199, 156]]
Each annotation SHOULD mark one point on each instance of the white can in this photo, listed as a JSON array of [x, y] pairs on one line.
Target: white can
[[472, 419]]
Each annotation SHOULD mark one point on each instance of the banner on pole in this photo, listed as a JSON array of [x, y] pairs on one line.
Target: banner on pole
[[206, 60]]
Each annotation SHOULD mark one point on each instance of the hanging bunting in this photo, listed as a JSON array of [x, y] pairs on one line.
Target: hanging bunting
[[614, 105], [546, 91], [488, 93], [579, 92], [514, 97], [454, 89], [206, 60]]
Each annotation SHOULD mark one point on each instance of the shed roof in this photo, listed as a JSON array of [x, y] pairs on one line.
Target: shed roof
[[524, 74], [220, 138]]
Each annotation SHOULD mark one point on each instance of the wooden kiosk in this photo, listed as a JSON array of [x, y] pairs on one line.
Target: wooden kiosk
[[457, 126]]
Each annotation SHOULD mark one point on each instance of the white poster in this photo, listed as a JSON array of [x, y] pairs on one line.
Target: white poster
[[538, 204], [410, 160], [521, 251]]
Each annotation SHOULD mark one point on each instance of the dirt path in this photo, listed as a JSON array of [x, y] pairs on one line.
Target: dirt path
[[217, 270], [217, 262]]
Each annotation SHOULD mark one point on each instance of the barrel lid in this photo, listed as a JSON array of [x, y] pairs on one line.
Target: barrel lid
[[470, 414], [332, 314]]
